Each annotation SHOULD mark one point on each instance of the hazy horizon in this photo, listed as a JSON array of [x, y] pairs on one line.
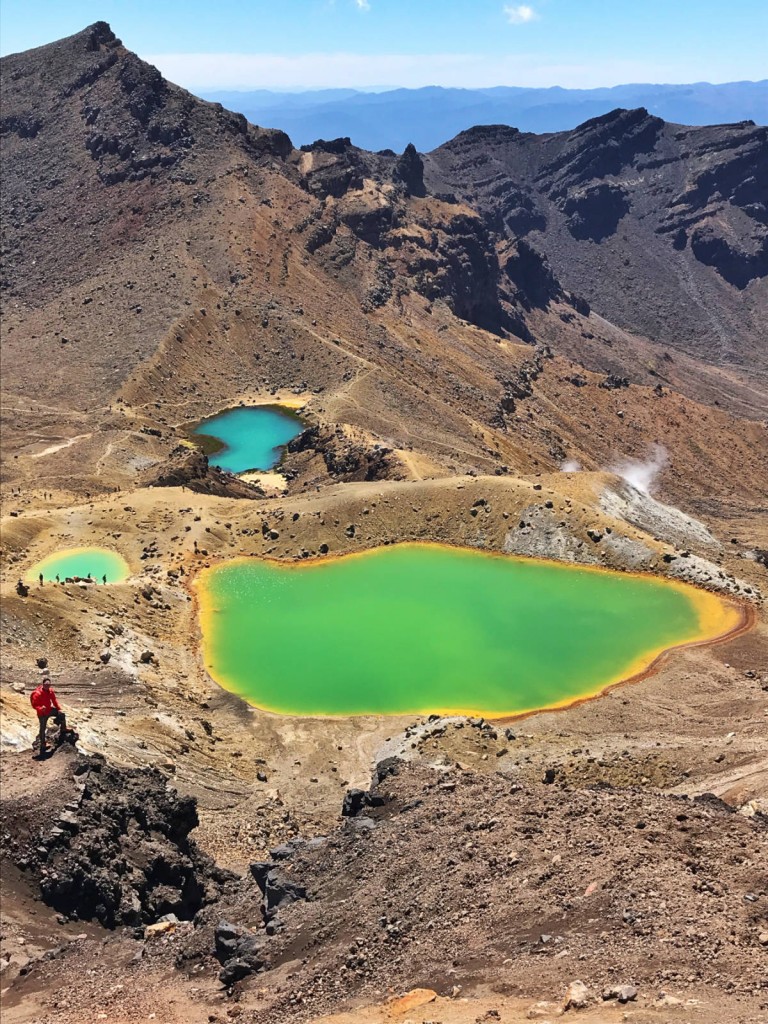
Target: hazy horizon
[[383, 45], [299, 90]]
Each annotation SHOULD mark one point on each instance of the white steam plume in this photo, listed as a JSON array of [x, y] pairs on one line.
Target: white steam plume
[[570, 466], [642, 475]]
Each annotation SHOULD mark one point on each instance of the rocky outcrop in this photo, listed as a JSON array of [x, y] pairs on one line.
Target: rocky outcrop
[[25, 126], [93, 117], [277, 890], [737, 262], [613, 382], [444, 251], [601, 146], [357, 800], [723, 210], [409, 172], [595, 212], [334, 168], [476, 155], [532, 282], [183, 467], [346, 457], [121, 852], [151, 128], [520, 386], [189, 467], [389, 889], [685, 209], [463, 270], [240, 952]]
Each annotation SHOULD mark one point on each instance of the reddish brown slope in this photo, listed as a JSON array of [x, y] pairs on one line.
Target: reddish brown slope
[[164, 259]]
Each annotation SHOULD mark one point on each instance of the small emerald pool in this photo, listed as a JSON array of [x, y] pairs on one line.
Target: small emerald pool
[[249, 437], [82, 562], [420, 628]]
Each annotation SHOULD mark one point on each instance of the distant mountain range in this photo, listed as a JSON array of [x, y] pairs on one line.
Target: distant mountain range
[[428, 117]]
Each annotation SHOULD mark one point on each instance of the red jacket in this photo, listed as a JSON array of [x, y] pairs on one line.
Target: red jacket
[[44, 702]]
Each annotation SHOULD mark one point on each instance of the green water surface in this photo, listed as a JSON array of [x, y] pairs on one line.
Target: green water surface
[[422, 628], [98, 562], [248, 437]]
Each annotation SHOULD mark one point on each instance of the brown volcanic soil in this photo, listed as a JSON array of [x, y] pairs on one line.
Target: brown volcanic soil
[[162, 260], [457, 871], [461, 881], [172, 260]]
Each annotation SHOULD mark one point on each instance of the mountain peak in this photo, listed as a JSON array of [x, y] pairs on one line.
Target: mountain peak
[[83, 116], [91, 39], [619, 119], [104, 100], [483, 133], [97, 35]]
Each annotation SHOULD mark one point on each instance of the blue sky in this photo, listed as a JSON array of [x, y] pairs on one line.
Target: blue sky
[[285, 44]]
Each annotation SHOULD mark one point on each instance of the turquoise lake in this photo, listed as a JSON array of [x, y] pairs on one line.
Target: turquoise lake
[[81, 562], [422, 628], [248, 438]]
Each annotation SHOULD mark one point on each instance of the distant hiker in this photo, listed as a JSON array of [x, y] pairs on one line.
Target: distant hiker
[[40, 578], [104, 578], [21, 589], [43, 700], [58, 578]]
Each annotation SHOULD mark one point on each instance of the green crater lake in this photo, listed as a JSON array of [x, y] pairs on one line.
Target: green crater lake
[[248, 438], [98, 562], [419, 628]]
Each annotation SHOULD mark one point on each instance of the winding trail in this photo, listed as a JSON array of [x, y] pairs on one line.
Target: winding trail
[[58, 447]]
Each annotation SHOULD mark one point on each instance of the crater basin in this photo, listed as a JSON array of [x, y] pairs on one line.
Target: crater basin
[[82, 562], [422, 628], [248, 438]]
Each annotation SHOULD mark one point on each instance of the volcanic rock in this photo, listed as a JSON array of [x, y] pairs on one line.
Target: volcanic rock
[[124, 856]]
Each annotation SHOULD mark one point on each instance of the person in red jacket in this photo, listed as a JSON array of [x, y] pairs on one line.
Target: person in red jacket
[[44, 701]]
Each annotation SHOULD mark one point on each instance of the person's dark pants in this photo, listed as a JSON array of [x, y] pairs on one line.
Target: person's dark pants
[[59, 718]]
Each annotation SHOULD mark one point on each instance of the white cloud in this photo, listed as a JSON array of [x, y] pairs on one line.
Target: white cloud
[[362, 5], [206, 72], [521, 14]]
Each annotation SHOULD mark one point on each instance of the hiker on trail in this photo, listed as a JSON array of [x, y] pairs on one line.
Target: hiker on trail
[[58, 578], [104, 578], [40, 578], [44, 701]]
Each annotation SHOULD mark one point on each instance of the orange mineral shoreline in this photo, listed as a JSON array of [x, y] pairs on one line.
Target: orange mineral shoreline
[[721, 619], [747, 619]]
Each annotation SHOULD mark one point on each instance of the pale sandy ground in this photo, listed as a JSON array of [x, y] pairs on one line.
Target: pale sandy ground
[[271, 483], [423, 1006]]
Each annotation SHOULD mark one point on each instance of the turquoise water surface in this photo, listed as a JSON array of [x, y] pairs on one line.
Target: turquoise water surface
[[94, 562], [417, 628], [248, 438]]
